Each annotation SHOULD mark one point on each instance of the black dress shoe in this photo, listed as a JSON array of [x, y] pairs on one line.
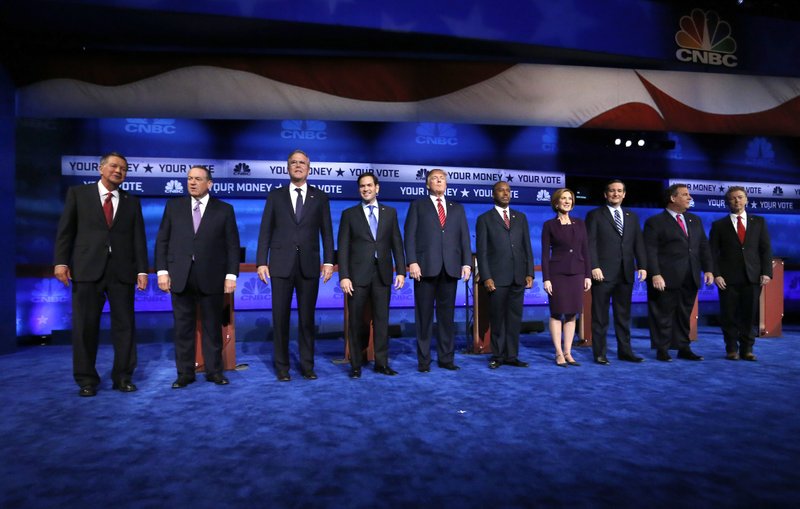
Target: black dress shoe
[[663, 356], [385, 370], [517, 363], [602, 360], [494, 364], [630, 358], [218, 378], [689, 355], [284, 377], [449, 365], [182, 382], [87, 391], [124, 387], [424, 369], [355, 373], [310, 375]]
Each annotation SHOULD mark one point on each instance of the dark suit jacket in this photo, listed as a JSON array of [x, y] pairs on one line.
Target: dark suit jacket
[[83, 238], [281, 237], [565, 255], [504, 256], [741, 263], [671, 254], [215, 246], [357, 247], [433, 248], [611, 252]]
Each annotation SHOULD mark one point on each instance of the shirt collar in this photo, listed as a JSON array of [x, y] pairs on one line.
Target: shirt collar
[[103, 191]]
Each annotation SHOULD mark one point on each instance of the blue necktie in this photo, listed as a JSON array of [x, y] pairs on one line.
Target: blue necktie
[[373, 222], [618, 221], [298, 205]]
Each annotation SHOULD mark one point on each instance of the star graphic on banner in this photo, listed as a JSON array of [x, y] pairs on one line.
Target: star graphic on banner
[[510, 178], [721, 188], [464, 193], [753, 205], [278, 186], [339, 172], [41, 320], [148, 168]]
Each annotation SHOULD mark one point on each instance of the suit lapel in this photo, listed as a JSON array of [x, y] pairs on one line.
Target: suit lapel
[[122, 207]]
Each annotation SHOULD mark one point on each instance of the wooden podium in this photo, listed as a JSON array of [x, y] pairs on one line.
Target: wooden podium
[[770, 305], [369, 352], [228, 338], [481, 331]]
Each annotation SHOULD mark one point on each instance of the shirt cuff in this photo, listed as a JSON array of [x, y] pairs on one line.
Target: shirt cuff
[[231, 277], [162, 273]]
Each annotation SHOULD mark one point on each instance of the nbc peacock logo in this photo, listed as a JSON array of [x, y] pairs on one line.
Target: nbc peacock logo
[[704, 38]]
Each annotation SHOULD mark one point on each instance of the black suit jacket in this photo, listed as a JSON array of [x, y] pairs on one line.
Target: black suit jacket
[[741, 263], [614, 254], [670, 253], [504, 256], [357, 247], [281, 237], [83, 237], [215, 246], [435, 248]]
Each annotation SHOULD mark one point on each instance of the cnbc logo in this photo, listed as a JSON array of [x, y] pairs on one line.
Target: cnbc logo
[[304, 130], [429, 133], [150, 126], [705, 39]]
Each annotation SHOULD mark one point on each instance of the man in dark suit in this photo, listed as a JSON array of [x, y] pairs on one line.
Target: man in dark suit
[[677, 251], [197, 260], [438, 254], [742, 254], [505, 265], [295, 218], [101, 247], [615, 242], [369, 237]]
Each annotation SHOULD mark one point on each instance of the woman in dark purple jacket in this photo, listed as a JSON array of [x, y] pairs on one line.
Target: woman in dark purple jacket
[[566, 272]]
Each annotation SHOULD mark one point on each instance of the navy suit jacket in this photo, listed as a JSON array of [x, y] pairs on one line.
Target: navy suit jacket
[[83, 237], [357, 248], [612, 253], [281, 237], [215, 246], [435, 248], [670, 253], [504, 256], [741, 263]]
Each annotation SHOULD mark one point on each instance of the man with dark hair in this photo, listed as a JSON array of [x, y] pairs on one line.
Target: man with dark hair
[[505, 266], [616, 251], [295, 217], [438, 253], [369, 237], [742, 254], [677, 251], [101, 247], [197, 261]]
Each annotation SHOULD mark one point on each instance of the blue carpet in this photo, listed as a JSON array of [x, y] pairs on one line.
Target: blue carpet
[[684, 434]]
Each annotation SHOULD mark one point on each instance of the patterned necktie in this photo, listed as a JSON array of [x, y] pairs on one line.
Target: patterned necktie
[[442, 217], [373, 222], [196, 217], [618, 222], [108, 209], [298, 205], [505, 220], [740, 229], [680, 223]]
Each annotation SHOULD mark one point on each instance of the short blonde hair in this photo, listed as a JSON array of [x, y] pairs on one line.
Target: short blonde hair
[[557, 196]]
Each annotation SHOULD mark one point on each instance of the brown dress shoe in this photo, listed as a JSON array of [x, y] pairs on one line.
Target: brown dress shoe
[[732, 356], [749, 356]]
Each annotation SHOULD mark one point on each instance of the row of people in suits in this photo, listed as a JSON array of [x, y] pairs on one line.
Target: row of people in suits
[[101, 249]]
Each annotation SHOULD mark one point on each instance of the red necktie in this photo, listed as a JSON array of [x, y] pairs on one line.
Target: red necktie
[[505, 220], [740, 229], [108, 209], [680, 223], [441, 211]]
